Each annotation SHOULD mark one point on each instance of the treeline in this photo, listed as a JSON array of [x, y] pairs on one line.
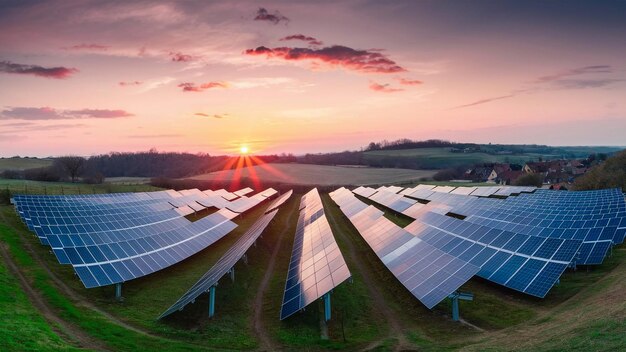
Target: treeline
[[609, 174], [140, 164], [406, 143]]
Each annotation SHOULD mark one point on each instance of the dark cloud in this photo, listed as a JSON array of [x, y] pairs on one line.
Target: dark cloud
[[216, 116], [386, 88], [337, 55], [48, 72], [192, 87], [263, 15], [409, 82], [180, 57], [484, 101], [302, 37], [88, 47], [48, 113], [585, 83], [575, 72], [130, 83]]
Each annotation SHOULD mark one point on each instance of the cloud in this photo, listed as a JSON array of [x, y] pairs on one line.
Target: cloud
[[192, 87], [180, 57], [386, 88], [130, 83], [368, 61], [302, 37], [484, 101], [88, 47], [48, 72], [48, 113], [409, 82], [216, 116], [148, 136], [263, 15], [585, 83], [575, 72]]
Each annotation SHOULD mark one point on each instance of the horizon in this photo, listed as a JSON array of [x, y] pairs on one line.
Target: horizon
[[86, 78]]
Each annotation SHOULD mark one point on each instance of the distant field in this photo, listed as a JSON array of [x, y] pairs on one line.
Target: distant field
[[37, 187], [23, 163], [440, 158], [321, 174]]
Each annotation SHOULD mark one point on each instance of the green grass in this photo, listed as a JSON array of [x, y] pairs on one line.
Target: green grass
[[495, 308], [38, 187], [441, 158], [23, 163], [17, 314]]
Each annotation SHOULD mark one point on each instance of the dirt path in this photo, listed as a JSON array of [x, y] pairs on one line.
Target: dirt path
[[69, 292], [65, 329], [259, 329], [395, 325]]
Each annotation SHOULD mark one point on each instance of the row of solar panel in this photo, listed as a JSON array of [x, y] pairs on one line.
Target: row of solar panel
[[112, 248], [229, 259], [317, 265]]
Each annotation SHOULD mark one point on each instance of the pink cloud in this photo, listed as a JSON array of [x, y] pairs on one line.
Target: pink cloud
[[130, 83], [192, 87], [35, 70], [88, 47], [409, 82], [48, 113], [386, 88], [337, 55], [263, 15], [180, 57], [304, 38]]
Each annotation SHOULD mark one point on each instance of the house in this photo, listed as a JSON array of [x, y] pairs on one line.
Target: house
[[509, 177]]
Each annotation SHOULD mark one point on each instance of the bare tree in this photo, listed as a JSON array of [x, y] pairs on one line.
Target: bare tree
[[72, 165]]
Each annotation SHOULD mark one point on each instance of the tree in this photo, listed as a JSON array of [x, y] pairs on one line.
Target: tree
[[529, 180], [72, 165], [611, 173]]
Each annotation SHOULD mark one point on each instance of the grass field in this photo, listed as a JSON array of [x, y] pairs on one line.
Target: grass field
[[38, 187], [585, 312], [23, 163], [441, 158], [321, 174]]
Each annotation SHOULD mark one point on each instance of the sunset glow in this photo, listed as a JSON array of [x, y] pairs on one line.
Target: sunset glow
[[307, 77], [243, 150]]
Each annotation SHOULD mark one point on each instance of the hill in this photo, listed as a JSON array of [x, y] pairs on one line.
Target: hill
[[17, 163]]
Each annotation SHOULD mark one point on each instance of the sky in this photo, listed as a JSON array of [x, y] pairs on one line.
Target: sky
[[91, 77]]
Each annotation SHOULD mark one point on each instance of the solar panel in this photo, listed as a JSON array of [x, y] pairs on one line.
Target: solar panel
[[429, 273], [243, 192], [317, 265], [114, 238], [279, 201], [393, 201], [223, 265], [507, 258]]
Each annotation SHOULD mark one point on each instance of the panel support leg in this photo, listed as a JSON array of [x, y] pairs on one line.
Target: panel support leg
[[245, 259], [232, 274], [118, 292], [327, 307], [455, 308], [211, 301]]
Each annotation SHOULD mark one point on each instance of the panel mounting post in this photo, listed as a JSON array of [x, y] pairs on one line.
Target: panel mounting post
[[232, 274], [327, 306], [455, 297], [118, 291], [212, 301]]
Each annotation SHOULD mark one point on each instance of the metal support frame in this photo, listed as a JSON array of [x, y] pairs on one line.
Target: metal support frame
[[118, 291], [455, 297], [245, 259], [232, 274], [212, 301], [327, 307]]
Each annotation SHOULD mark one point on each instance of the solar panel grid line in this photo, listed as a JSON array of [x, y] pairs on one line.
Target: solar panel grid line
[[402, 253], [316, 265], [223, 265]]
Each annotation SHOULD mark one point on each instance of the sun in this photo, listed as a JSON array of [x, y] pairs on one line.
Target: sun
[[244, 149]]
